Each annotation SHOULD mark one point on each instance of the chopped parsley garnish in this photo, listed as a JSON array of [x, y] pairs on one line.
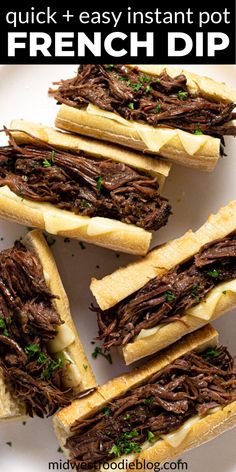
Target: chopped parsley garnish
[[169, 296], [122, 77], [42, 358], [20, 194], [3, 326], [47, 163], [210, 353], [146, 78], [182, 95], [99, 351], [195, 293], [106, 411], [123, 445], [158, 80], [99, 183], [149, 401], [59, 449], [198, 130], [109, 67], [137, 86], [54, 365], [32, 349], [84, 203], [85, 366], [131, 106], [148, 88], [158, 108], [213, 273], [224, 292], [127, 417], [150, 436]]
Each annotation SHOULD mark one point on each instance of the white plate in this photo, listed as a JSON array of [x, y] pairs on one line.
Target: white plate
[[23, 94]]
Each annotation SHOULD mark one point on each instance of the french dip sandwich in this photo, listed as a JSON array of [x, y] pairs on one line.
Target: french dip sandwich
[[43, 365], [177, 288], [183, 398], [82, 188], [167, 111]]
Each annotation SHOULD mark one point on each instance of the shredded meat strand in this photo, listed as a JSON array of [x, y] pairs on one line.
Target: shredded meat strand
[[164, 299]]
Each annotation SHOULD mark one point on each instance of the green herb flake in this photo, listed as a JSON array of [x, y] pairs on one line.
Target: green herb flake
[[149, 401], [116, 450], [198, 130], [195, 293], [150, 436], [47, 163], [53, 156], [182, 95], [158, 80], [24, 423], [106, 411], [109, 67], [3, 327], [32, 349], [127, 417], [210, 353], [137, 86], [84, 203], [213, 273], [99, 351], [122, 78], [146, 78], [85, 366], [59, 450], [42, 358], [99, 183], [224, 292], [131, 106], [148, 88], [20, 194], [169, 296], [158, 108]]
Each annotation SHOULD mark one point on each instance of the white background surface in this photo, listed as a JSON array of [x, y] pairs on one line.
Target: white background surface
[[193, 195]]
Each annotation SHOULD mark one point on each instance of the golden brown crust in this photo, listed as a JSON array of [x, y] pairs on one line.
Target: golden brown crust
[[107, 128], [104, 232], [116, 287]]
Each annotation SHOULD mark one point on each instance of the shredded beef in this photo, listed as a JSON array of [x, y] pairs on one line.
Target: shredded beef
[[193, 384], [164, 299], [146, 98], [28, 320], [85, 185]]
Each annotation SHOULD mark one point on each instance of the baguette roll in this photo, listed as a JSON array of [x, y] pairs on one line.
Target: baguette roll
[[102, 231], [124, 282], [194, 432], [66, 344], [199, 151]]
